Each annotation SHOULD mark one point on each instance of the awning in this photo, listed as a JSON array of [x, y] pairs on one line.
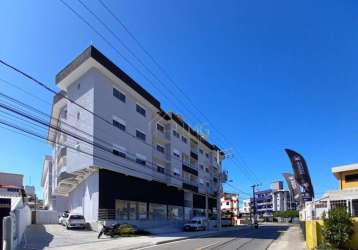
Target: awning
[[67, 182]]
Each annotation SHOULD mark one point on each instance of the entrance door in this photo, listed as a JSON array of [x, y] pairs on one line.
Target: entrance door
[[5, 207]]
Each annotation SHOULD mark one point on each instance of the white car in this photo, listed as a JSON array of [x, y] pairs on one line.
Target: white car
[[196, 224], [75, 221], [62, 218]]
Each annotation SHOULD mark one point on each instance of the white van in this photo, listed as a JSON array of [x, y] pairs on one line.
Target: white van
[[196, 224]]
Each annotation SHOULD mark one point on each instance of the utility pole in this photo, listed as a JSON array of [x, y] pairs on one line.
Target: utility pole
[[219, 190], [254, 202]]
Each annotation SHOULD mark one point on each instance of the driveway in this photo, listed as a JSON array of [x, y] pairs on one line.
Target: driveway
[[41, 236]]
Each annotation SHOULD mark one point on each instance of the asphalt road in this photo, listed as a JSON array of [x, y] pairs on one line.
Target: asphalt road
[[243, 238]]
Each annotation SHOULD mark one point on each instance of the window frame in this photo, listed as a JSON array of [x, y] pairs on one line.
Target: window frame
[[140, 110], [141, 132], [121, 96]]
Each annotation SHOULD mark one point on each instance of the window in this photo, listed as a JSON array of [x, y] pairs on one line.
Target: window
[[140, 135], [207, 155], [201, 151], [140, 159], [157, 211], [121, 210], [176, 134], [207, 170], [160, 169], [175, 213], [119, 95], [78, 115], [119, 125], [160, 127], [184, 139], [351, 177], [132, 210], [338, 204], [160, 148], [140, 110], [227, 203], [118, 153], [142, 210], [176, 153], [79, 86]]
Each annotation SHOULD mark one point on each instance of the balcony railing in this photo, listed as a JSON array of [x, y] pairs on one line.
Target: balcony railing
[[163, 135], [194, 155]]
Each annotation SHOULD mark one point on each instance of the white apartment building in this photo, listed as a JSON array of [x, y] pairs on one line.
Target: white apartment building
[[230, 203], [246, 207], [117, 155]]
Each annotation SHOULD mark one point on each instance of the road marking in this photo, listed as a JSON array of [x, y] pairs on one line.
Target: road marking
[[200, 248]]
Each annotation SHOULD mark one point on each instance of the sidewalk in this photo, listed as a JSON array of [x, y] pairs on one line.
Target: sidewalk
[[131, 243], [291, 239]]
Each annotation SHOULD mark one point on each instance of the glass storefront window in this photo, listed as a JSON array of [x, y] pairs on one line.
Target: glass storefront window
[[132, 210], [142, 210], [121, 210], [157, 211], [175, 213]]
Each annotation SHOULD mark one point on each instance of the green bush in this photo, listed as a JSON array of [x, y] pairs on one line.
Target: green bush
[[286, 214], [337, 228]]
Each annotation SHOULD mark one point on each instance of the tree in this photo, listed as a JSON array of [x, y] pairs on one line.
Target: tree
[[337, 228]]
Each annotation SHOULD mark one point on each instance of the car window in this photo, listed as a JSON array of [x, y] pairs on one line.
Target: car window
[[65, 215], [76, 217]]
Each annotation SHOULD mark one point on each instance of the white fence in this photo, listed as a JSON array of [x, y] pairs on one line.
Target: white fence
[[46, 217], [19, 219]]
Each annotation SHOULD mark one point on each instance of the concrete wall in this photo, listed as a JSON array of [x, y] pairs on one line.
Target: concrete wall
[[314, 234], [20, 219], [84, 199], [46, 217]]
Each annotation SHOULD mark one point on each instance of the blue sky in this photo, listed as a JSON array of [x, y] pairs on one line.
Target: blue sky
[[268, 75]]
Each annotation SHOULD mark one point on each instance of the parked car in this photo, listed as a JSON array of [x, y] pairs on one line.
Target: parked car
[[196, 224], [62, 218], [75, 221]]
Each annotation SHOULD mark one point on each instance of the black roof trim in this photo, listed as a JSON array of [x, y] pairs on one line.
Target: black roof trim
[[108, 64], [185, 125]]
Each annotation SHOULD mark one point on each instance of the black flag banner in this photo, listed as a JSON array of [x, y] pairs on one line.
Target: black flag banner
[[293, 187], [300, 170]]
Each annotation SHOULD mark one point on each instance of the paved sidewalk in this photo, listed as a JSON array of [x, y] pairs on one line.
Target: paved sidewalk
[[291, 239], [55, 237]]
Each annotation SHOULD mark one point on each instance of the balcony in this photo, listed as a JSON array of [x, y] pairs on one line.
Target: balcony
[[190, 169], [161, 156], [194, 155], [190, 187], [161, 136]]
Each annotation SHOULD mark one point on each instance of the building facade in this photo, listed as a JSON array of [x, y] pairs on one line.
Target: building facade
[[117, 155], [230, 207], [345, 197], [246, 206], [273, 200]]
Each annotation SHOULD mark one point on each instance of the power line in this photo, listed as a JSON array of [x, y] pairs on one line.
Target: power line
[[33, 133], [162, 70]]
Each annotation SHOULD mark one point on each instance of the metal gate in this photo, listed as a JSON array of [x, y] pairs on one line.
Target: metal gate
[[5, 207]]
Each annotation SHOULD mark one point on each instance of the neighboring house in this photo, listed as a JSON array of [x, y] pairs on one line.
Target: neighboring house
[[130, 160], [346, 196], [12, 189], [246, 207], [230, 207]]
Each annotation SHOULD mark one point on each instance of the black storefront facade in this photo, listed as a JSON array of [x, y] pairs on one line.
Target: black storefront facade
[[123, 197]]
